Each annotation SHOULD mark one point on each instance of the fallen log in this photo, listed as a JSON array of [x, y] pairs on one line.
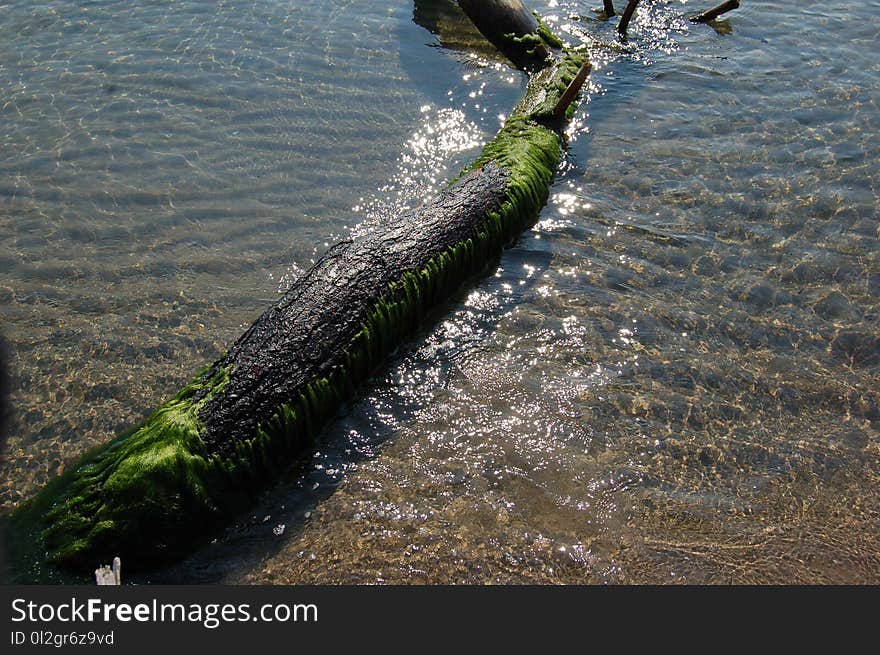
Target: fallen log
[[155, 491]]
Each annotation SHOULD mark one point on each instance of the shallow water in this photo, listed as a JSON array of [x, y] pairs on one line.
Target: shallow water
[[672, 377]]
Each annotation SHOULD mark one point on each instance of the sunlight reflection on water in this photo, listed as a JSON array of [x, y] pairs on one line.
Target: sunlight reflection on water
[[671, 377]]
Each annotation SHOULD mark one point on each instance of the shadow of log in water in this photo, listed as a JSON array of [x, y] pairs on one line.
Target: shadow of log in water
[[453, 29]]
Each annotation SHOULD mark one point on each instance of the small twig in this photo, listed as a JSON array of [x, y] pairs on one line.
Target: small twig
[[571, 91], [626, 17], [715, 12], [609, 9]]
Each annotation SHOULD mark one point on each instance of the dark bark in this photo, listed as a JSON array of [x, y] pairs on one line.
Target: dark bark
[[306, 334], [495, 18], [715, 12], [571, 92], [513, 29]]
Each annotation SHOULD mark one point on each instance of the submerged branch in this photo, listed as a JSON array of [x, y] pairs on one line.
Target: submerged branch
[[711, 14], [626, 17]]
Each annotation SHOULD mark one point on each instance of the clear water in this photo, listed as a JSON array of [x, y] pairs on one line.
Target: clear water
[[673, 377]]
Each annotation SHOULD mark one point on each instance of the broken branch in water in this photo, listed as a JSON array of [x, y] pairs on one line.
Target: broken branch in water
[[513, 29], [609, 9], [155, 491], [626, 17], [715, 12]]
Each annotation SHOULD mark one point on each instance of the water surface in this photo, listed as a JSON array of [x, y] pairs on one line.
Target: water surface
[[672, 377]]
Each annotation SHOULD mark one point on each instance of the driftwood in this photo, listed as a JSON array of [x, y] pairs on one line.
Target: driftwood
[[711, 14], [454, 30], [154, 492], [571, 92], [109, 575]]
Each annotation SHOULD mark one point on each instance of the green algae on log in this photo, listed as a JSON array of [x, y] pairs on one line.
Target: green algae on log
[[155, 491], [517, 32]]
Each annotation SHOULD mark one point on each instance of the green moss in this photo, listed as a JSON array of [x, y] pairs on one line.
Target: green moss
[[543, 35], [153, 491], [547, 34], [528, 42]]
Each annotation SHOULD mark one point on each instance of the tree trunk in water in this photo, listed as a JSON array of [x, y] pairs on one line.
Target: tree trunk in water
[[513, 29], [153, 492]]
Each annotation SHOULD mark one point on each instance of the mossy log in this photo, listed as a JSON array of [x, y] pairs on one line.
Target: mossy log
[[153, 493], [713, 13]]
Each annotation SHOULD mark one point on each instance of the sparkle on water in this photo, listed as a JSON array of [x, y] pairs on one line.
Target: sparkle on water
[[672, 377]]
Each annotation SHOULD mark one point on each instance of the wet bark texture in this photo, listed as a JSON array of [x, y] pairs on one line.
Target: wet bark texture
[[497, 18], [304, 335]]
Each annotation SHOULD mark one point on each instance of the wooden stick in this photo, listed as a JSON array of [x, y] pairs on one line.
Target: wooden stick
[[204, 455], [715, 12], [626, 17], [571, 92], [609, 9]]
